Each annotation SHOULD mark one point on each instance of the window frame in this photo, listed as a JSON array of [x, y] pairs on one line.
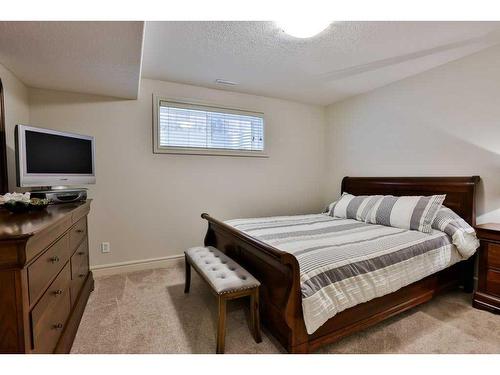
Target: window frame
[[157, 149]]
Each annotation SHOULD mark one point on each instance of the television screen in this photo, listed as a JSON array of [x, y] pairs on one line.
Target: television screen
[[51, 153], [46, 157]]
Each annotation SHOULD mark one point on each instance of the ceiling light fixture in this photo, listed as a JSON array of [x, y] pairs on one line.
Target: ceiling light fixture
[[225, 82], [303, 29]]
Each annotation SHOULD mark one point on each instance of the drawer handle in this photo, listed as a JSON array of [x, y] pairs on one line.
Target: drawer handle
[[55, 259], [81, 253], [57, 326], [58, 292], [79, 231], [82, 275]]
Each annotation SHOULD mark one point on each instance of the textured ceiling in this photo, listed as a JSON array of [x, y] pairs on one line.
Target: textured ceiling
[[346, 59], [91, 57]]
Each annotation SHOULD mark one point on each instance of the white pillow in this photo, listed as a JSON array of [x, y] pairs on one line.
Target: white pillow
[[407, 212], [462, 234], [353, 207]]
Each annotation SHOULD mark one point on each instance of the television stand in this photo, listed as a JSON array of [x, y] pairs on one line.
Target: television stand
[[61, 195]]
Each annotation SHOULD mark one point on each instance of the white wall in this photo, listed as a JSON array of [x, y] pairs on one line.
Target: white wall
[[16, 112], [445, 121], [148, 205]]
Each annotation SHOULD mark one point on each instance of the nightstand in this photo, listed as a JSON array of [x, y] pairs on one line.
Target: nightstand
[[487, 294]]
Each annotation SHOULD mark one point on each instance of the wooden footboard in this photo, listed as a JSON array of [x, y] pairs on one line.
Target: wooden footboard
[[278, 272]]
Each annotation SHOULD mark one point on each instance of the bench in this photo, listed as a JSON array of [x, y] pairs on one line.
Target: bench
[[227, 280]]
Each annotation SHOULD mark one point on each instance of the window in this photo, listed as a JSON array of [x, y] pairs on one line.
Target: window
[[200, 129]]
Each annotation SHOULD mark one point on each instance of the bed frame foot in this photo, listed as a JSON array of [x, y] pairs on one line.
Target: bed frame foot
[[299, 349]]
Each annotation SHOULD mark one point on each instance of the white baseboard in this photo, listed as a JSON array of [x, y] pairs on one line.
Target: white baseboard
[[136, 265]]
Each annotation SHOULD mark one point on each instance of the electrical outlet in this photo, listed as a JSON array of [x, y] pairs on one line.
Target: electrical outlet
[[105, 247]]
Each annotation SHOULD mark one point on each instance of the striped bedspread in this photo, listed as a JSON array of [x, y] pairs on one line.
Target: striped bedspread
[[344, 262]]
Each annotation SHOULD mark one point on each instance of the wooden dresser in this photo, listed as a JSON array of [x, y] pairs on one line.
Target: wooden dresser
[[487, 295], [45, 279]]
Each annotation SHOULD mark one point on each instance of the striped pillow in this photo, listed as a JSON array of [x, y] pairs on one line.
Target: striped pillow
[[462, 234], [353, 207], [411, 212]]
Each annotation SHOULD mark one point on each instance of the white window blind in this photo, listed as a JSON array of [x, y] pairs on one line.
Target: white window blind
[[189, 126]]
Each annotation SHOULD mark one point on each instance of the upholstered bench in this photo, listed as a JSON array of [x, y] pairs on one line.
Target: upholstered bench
[[227, 280]]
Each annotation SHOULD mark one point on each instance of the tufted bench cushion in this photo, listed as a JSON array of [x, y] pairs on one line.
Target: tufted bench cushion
[[223, 274]]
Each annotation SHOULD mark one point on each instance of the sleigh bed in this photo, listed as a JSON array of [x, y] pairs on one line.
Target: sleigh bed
[[278, 271]]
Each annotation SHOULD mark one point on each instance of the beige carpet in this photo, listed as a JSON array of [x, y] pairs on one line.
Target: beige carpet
[[147, 312]]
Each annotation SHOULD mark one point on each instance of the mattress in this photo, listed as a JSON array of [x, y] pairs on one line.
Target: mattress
[[345, 262]]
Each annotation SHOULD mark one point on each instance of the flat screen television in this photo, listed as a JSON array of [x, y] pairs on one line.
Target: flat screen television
[[47, 157]]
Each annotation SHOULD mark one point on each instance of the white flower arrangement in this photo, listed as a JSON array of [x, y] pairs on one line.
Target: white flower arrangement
[[23, 197]]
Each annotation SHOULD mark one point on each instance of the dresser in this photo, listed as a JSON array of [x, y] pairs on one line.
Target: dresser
[[45, 279], [487, 294]]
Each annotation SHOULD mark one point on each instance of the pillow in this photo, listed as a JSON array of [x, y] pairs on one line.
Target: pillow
[[353, 207], [462, 234], [410, 212]]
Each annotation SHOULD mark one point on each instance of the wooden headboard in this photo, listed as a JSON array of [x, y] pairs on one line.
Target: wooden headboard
[[460, 191]]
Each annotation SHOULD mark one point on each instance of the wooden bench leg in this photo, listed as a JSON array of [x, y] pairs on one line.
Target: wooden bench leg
[[255, 315], [221, 326], [187, 284]]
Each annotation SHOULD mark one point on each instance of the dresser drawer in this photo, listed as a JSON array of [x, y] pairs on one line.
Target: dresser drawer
[[47, 266], [79, 269], [493, 282], [76, 285], [80, 259], [77, 233], [493, 255], [49, 316]]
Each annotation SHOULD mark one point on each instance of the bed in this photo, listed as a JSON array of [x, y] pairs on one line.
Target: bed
[[261, 247]]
